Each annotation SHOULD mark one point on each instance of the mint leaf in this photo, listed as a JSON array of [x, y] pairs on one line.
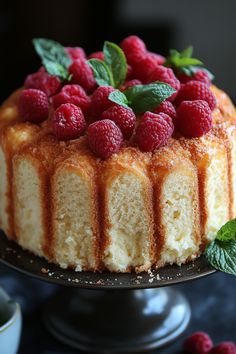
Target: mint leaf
[[57, 70], [183, 61], [144, 98], [222, 255], [227, 232], [102, 73], [119, 98], [116, 61], [187, 52], [54, 57], [191, 70]]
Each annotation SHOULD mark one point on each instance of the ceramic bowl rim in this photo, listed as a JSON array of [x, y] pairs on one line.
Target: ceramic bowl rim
[[15, 314]]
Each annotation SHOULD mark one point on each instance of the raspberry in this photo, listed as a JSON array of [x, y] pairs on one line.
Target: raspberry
[[130, 83], [72, 94], [41, 80], [76, 53], [159, 58], [82, 75], [198, 343], [200, 75], [123, 117], [33, 105], [104, 138], [166, 75], [134, 49], [68, 122], [154, 131], [41, 69], [130, 72], [167, 108], [224, 348], [100, 101], [193, 118], [96, 55], [196, 90], [145, 66]]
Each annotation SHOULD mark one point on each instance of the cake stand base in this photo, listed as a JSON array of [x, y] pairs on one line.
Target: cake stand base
[[114, 321]]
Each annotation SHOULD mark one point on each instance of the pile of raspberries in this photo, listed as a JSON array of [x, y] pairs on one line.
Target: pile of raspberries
[[80, 107], [201, 343]]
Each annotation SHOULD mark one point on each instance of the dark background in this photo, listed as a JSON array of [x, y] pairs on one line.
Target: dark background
[[212, 300], [209, 25]]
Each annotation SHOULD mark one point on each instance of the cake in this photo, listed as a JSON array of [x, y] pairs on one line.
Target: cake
[[105, 202]]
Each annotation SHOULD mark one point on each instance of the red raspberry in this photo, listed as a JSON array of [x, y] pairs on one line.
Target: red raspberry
[[33, 105], [100, 101], [72, 94], [200, 75], [96, 55], [134, 49], [145, 66], [224, 348], [41, 80], [68, 122], [198, 343], [159, 58], [166, 75], [130, 83], [82, 75], [167, 118], [196, 90], [42, 69], [154, 131], [104, 138], [76, 53], [193, 118], [167, 108], [130, 72], [123, 117]]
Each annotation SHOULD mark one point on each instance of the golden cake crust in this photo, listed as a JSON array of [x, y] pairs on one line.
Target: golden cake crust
[[194, 160]]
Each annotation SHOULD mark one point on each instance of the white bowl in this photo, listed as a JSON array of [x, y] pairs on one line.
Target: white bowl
[[10, 324]]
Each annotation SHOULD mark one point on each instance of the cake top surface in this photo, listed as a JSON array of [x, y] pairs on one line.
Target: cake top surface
[[122, 96]]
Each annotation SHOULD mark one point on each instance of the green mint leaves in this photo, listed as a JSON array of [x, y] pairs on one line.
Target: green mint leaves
[[221, 253], [227, 232], [142, 98], [54, 57], [183, 61], [112, 71], [101, 72], [119, 98], [116, 61]]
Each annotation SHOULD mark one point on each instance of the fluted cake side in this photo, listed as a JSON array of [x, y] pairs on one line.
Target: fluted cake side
[[135, 210]]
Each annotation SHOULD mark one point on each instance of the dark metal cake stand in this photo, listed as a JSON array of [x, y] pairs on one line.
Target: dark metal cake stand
[[111, 313]]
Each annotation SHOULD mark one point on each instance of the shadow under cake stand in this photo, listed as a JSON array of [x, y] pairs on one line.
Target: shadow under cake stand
[[111, 313]]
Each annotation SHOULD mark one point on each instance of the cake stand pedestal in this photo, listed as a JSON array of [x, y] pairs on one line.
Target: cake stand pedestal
[[111, 313]]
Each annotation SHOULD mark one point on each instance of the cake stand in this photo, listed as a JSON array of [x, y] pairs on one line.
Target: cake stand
[[111, 313]]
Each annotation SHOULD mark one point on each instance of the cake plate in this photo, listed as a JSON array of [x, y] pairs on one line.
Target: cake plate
[[111, 313]]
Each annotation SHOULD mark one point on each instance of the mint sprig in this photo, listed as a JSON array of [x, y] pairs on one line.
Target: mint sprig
[[183, 61], [54, 57], [112, 71], [101, 72], [191, 70], [142, 98], [116, 61], [119, 97], [221, 253]]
